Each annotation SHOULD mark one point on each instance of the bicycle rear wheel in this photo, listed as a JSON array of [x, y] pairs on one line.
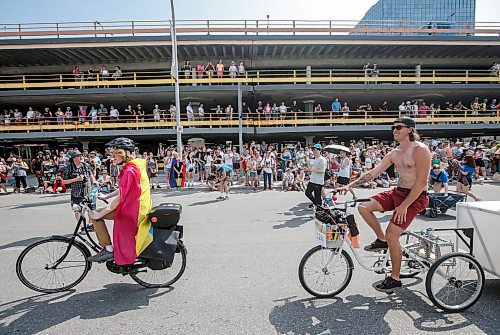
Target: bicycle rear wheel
[[165, 277], [455, 282], [325, 272], [35, 266]]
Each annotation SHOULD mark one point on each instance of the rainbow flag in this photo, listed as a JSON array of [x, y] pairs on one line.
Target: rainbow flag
[[132, 230]]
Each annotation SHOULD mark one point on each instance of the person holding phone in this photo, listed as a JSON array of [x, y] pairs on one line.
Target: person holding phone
[[80, 175]]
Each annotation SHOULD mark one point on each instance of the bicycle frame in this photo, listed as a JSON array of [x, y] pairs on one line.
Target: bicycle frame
[[382, 259], [90, 242]]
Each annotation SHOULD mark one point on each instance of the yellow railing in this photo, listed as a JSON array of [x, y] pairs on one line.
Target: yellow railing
[[251, 77], [243, 27], [214, 120]]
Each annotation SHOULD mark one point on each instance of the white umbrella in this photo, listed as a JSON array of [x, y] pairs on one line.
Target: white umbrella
[[335, 148]]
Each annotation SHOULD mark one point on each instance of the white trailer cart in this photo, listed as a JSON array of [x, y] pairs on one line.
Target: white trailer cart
[[484, 218]]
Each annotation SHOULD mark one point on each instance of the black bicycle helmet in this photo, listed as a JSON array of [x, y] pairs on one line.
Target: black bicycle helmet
[[122, 143]]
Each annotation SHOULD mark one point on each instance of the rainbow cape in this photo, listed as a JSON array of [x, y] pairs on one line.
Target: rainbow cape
[[132, 230]]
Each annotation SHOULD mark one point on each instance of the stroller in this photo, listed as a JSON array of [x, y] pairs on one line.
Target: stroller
[[442, 202]]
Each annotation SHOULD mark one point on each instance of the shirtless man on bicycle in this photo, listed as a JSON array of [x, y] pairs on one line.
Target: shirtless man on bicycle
[[413, 161]]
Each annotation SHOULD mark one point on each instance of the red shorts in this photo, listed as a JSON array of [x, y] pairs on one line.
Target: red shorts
[[392, 198]]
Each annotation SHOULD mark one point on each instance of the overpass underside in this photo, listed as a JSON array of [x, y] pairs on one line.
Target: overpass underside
[[341, 132], [212, 95]]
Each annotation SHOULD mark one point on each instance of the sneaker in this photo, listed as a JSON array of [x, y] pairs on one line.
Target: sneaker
[[377, 245], [102, 256], [310, 207], [220, 198], [389, 285], [158, 186]]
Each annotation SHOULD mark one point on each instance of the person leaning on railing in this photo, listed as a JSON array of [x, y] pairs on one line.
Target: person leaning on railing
[[117, 74]]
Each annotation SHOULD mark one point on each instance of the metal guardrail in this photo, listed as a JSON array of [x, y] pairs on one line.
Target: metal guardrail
[[214, 120], [241, 27], [252, 77]]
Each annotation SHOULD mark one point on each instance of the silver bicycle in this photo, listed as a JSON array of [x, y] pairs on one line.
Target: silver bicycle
[[454, 280]]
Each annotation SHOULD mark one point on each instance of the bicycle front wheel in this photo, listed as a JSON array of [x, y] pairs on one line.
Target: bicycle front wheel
[[165, 277], [324, 272], [52, 265], [455, 282]]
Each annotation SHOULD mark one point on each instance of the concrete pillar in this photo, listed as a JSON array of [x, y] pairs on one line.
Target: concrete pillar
[[195, 105], [418, 69], [309, 139], [308, 73], [85, 145], [308, 107], [194, 74]]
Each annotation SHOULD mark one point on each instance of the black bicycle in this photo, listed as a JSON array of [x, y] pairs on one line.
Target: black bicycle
[[59, 263]]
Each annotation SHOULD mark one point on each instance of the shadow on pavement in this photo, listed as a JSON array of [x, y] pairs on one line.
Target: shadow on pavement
[[357, 314], [299, 215], [38, 204], [206, 202], [40, 313], [21, 243]]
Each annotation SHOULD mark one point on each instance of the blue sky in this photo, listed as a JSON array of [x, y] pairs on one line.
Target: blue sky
[[22, 11]]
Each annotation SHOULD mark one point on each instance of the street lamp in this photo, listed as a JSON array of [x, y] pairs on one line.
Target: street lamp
[[175, 74]]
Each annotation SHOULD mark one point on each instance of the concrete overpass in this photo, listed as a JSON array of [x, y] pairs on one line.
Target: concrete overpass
[[354, 94], [338, 131], [298, 51]]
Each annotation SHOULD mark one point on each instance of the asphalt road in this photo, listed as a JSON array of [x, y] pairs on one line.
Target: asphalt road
[[241, 277]]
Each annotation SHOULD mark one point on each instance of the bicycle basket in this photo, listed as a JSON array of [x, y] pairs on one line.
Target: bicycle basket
[[329, 236]]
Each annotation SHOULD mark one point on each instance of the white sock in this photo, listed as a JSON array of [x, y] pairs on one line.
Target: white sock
[[109, 248]]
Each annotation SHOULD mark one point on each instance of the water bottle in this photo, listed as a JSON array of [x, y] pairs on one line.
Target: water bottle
[[351, 224], [328, 232]]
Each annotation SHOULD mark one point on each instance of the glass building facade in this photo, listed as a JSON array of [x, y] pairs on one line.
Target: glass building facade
[[420, 14]]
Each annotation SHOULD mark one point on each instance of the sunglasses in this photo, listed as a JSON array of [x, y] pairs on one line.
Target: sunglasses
[[398, 127]]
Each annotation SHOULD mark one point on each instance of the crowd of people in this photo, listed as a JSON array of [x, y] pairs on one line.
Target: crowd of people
[[209, 70], [94, 114], [259, 166], [90, 75]]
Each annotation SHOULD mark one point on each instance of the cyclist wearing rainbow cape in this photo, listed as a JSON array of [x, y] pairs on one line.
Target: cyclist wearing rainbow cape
[[132, 230]]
